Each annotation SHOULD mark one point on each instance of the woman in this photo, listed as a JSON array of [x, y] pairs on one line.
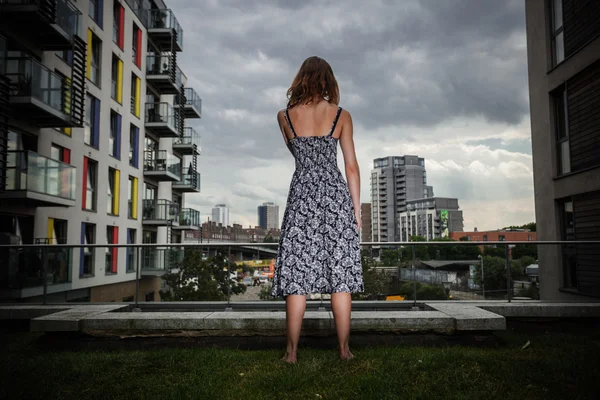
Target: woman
[[319, 248]]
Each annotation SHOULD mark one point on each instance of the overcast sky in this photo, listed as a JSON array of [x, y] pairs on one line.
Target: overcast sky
[[444, 80]]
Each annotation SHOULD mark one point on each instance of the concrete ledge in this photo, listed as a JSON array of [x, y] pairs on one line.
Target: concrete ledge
[[27, 312], [470, 317], [544, 310], [69, 320], [401, 321]]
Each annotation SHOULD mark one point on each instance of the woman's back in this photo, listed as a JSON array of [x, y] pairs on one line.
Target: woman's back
[[313, 120]]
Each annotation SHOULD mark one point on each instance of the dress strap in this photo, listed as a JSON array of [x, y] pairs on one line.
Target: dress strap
[[289, 121], [337, 116]]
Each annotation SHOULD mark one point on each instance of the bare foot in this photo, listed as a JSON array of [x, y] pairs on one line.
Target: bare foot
[[289, 358], [346, 356]]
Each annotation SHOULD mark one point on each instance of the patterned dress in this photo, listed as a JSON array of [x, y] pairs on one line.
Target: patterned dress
[[319, 248]]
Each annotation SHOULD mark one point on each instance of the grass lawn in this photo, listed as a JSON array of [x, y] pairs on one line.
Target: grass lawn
[[552, 366]]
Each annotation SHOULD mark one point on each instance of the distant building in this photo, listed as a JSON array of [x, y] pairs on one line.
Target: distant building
[[431, 218], [394, 181], [213, 232], [365, 216], [220, 214], [495, 236], [268, 216], [563, 53]]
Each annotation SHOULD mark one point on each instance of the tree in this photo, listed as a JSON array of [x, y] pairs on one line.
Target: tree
[[269, 239], [424, 292], [376, 282], [494, 269], [196, 279], [491, 251], [524, 250]]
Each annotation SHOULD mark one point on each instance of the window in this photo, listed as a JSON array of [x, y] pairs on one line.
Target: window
[[117, 79], [137, 45], [114, 140], [96, 8], [149, 296], [57, 233], [86, 261], [112, 237], [485, 238], [66, 56], [132, 197], [562, 131], [118, 24], [131, 251], [91, 135], [569, 252], [134, 144], [90, 184], [501, 238], [94, 58], [112, 200], [60, 153], [135, 95], [558, 38]]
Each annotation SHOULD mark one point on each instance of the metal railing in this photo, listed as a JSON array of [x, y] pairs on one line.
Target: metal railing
[[189, 217], [165, 19], [190, 137], [161, 113], [26, 170], [193, 99], [190, 178], [159, 65], [160, 210], [162, 160], [229, 272], [29, 77]]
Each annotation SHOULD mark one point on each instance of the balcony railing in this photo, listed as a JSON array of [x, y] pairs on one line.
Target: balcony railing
[[49, 94], [56, 21], [162, 120], [163, 73], [189, 218], [161, 21], [193, 104], [189, 143], [160, 210], [32, 177], [189, 182], [162, 164]]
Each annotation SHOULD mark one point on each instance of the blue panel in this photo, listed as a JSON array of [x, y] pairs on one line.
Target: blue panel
[[96, 127], [100, 12]]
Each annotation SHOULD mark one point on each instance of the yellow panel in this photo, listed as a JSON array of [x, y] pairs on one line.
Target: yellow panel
[[89, 55], [134, 199], [67, 131], [51, 230], [137, 96], [117, 191], [120, 81]]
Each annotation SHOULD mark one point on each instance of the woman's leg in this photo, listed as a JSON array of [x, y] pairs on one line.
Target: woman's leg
[[295, 305], [341, 305]]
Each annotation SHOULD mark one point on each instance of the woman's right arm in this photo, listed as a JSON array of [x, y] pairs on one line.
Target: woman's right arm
[[352, 170]]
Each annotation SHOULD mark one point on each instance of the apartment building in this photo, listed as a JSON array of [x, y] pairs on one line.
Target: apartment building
[[365, 216], [220, 214], [563, 51], [394, 181], [98, 151], [268, 216], [431, 218]]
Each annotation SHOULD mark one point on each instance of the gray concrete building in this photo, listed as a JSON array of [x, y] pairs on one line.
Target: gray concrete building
[[365, 217], [431, 218], [563, 51], [394, 181], [268, 216]]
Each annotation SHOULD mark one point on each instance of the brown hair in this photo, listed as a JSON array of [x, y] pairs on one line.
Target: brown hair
[[314, 80]]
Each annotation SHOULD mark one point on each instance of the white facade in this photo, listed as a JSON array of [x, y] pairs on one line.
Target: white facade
[[220, 214]]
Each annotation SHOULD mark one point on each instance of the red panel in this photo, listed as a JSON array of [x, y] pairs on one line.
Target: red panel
[[113, 267], [84, 189], [66, 156], [138, 59], [121, 27]]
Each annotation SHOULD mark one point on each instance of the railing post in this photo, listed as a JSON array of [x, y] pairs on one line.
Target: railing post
[[508, 277], [228, 308], [414, 277], [138, 271], [45, 274]]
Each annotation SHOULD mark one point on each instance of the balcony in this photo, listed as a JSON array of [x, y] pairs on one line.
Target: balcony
[[164, 30], [38, 181], [56, 22], [190, 182], [189, 219], [159, 260], [193, 104], [161, 120], [160, 212], [162, 73], [162, 166], [188, 144], [39, 94]]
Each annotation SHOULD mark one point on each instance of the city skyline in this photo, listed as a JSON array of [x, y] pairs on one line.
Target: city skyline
[[452, 90]]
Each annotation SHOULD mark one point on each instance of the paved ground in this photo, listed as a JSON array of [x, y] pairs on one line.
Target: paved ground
[[252, 294]]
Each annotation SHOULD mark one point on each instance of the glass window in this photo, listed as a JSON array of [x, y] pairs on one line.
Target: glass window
[[133, 145], [113, 140], [91, 185], [131, 257], [110, 251], [114, 76], [112, 192], [94, 10], [558, 41], [96, 60], [562, 131], [89, 237], [130, 189]]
